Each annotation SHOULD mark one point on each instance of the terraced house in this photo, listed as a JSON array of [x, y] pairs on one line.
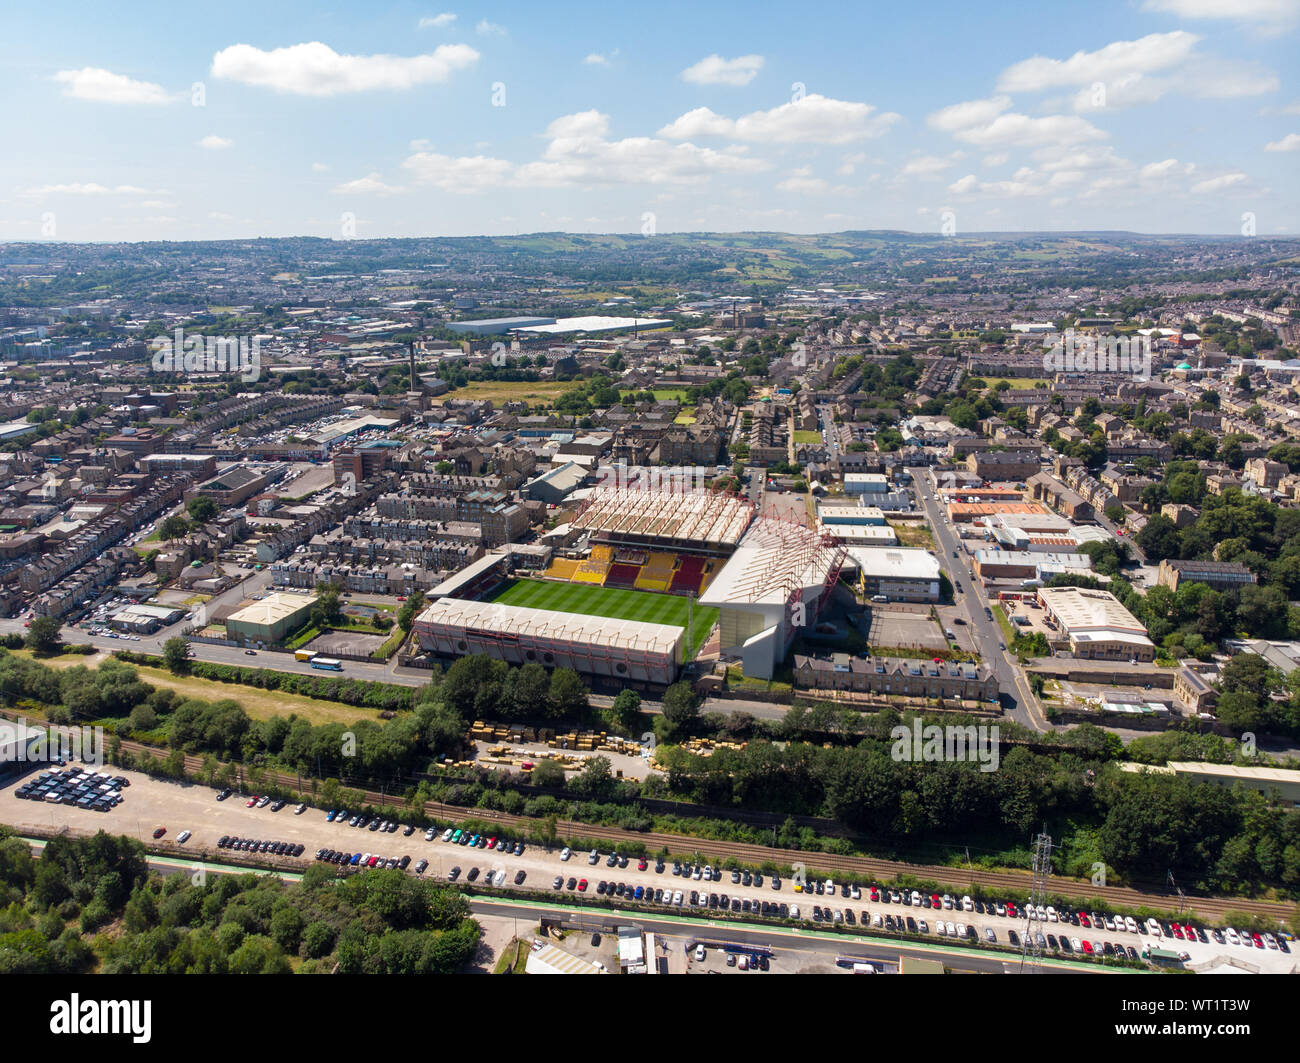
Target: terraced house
[[899, 676]]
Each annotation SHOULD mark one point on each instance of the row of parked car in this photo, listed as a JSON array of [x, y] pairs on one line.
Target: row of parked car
[[257, 845], [97, 791], [711, 873], [1227, 936], [365, 822], [478, 841], [255, 801], [371, 860], [494, 877]]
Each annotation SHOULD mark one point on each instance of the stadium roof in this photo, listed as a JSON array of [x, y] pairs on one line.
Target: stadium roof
[[549, 624], [470, 572], [703, 517], [774, 559], [594, 324]]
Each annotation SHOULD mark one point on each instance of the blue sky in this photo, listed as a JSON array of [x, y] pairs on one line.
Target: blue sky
[[414, 119]]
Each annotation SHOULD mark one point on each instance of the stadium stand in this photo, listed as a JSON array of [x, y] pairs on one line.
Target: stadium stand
[[562, 568], [657, 573], [688, 577], [596, 567], [622, 575]]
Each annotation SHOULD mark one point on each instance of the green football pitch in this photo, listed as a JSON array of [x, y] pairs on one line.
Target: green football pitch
[[589, 600]]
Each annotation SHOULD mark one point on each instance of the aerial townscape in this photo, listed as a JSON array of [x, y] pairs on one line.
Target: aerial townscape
[[889, 591]]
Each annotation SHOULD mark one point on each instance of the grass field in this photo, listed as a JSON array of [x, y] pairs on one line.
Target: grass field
[[1019, 383], [589, 600], [664, 394], [258, 703], [537, 391]]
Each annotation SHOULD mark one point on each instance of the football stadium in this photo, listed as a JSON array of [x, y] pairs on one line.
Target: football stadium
[[645, 578]]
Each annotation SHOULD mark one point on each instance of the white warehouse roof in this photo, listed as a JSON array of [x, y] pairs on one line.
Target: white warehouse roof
[[896, 562]]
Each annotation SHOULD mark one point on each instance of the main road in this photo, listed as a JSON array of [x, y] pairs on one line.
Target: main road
[[1017, 699]]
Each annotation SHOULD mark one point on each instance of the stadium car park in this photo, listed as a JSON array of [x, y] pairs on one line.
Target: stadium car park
[[343, 838], [81, 787]]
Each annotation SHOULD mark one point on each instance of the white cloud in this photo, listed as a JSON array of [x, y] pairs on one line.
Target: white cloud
[[925, 166], [1290, 142], [596, 59], [850, 163], [997, 159], [90, 188], [815, 119], [1218, 184], [370, 185], [1116, 60], [987, 123], [1269, 15], [1199, 78], [486, 29], [463, 175], [1161, 169], [802, 181], [579, 154], [315, 69], [212, 142], [437, 22], [700, 122], [582, 124], [714, 70], [103, 86], [319, 167], [967, 114], [1128, 73]]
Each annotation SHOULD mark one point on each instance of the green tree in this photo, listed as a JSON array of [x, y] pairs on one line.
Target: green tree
[[174, 527], [201, 508], [43, 635], [568, 694], [1160, 538], [626, 710], [176, 655], [681, 708], [410, 609]]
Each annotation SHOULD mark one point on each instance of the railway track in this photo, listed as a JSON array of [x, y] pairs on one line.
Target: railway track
[[1011, 884]]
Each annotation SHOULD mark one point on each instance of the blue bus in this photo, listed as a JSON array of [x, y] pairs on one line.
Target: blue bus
[[331, 663]]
